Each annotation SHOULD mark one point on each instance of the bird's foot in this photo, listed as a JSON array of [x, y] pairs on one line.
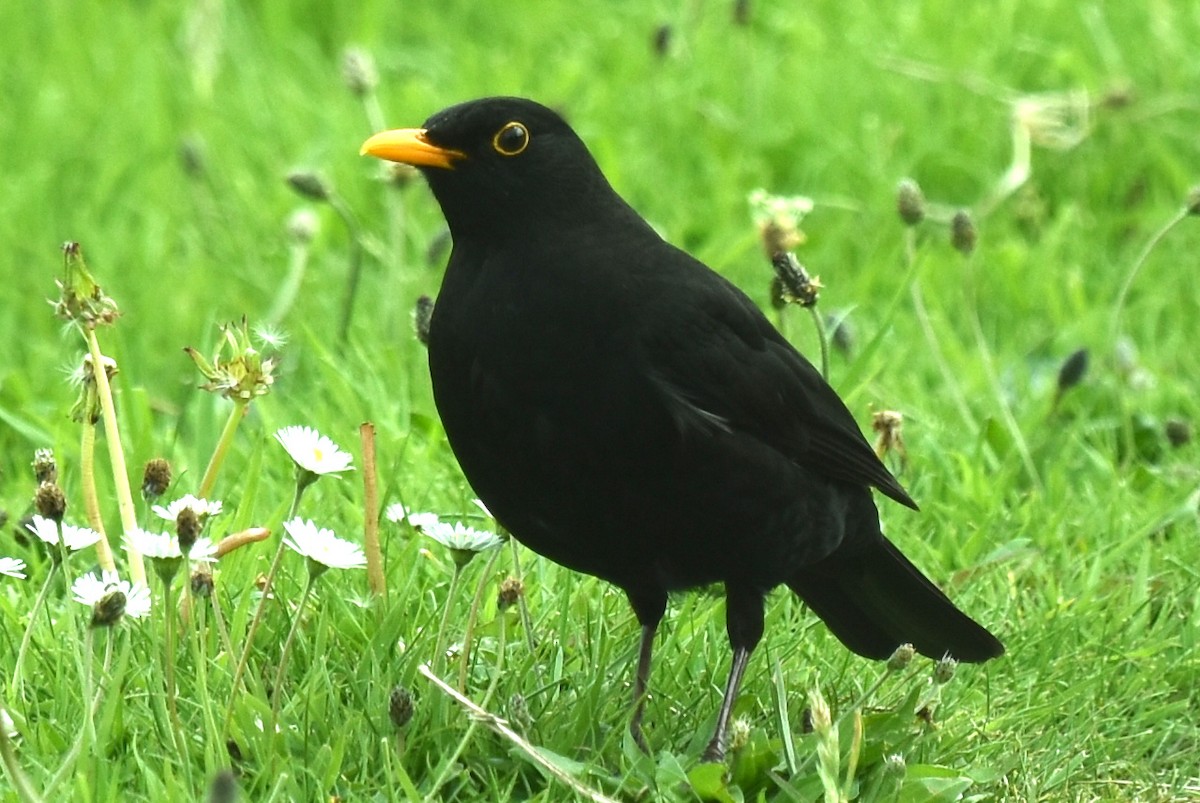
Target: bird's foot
[[715, 752], [635, 730]]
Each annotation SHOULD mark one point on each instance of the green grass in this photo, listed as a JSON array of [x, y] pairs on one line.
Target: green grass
[[1072, 531]]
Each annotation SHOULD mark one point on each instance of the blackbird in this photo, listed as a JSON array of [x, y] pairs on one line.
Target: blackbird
[[628, 413]]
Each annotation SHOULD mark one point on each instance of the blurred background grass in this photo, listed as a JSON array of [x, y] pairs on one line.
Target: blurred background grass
[[158, 135]]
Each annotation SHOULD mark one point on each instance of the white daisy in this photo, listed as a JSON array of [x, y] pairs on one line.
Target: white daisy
[[72, 537], [165, 546], [321, 546], [461, 538], [397, 513], [98, 592], [203, 508], [13, 567], [312, 451]]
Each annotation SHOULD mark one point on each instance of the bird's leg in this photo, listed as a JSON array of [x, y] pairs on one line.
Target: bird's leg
[[649, 605], [715, 752], [744, 623], [640, 681]]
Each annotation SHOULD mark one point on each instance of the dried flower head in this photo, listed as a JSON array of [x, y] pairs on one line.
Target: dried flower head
[[739, 734], [237, 370], [202, 581], [1193, 201], [910, 202], [358, 71], [309, 185], [80, 298], [400, 706], [49, 501], [156, 478], [962, 232], [511, 591], [889, 424], [45, 468], [86, 408], [1178, 431], [794, 284], [778, 218], [302, 226], [901, 658], [943, 670]]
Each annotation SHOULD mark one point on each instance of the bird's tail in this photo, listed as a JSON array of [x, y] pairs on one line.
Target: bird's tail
[[875, 600]]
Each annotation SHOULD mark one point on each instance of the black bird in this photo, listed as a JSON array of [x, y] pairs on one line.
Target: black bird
[[628, 413]]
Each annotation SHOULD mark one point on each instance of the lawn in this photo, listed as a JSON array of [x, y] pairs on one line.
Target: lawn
[[205, 157]]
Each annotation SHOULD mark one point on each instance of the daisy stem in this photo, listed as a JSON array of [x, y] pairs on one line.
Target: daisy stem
[[25, 639], [240, 406], [116, 454], [303, 480], [88, 733], [439, 647], [277, 688], [522, 606], [172, 707], [469, 633], [91, 501], [199, 642]]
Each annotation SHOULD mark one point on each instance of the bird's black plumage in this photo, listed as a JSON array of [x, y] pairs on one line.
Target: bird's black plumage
[[628, 413]]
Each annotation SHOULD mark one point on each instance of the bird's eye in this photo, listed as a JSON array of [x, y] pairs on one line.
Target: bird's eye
[[511, 139]]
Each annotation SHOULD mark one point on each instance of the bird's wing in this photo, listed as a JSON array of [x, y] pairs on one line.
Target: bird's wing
[[718, 364]]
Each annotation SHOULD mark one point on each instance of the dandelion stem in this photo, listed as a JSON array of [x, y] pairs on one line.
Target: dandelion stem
[[91, 501], [116, 453], [240, 406]]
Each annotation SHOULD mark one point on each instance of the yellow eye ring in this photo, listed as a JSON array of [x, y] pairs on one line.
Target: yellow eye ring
[[511, 139]]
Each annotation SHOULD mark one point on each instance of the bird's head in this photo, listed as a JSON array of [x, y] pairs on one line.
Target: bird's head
[[498, 166]]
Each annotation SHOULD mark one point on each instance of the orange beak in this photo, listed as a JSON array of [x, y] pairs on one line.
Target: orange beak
[[411, 147]]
